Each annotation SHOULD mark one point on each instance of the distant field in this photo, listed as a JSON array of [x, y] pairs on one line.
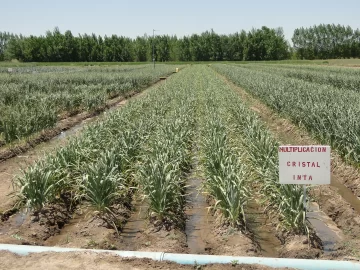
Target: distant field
[[33, 98], [21, 64], [333, 62], [345, 62]]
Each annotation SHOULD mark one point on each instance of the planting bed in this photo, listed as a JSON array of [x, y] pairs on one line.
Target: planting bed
[[191, 166]]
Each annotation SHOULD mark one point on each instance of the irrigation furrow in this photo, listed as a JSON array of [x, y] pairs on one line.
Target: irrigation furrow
[[199, 224]]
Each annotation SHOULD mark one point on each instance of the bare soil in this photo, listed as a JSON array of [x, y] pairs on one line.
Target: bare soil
[[84, 230], [338, 200], [93, 261], [297, 246], [230, 242], [172, 241]]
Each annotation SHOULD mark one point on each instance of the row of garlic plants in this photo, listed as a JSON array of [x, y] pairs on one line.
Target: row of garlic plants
[[262, 152], [32, 102], [162, 172], [166, 159], [98, 166], [147, 145], [29, 69], [245, 136], [225, 175], [330, 114], [342, 78]]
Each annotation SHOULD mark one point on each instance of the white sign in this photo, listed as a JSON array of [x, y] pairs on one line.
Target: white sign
[[10, 70], [304, 164]]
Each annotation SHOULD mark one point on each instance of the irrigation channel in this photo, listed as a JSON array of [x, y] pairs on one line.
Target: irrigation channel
[[189, 141]]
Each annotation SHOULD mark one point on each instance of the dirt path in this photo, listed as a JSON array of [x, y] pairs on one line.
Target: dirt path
[[336, 200]]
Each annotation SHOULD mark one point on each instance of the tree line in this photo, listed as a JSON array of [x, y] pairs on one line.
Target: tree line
[[317, 42], [5, 37], [54, 46], [326, 41]]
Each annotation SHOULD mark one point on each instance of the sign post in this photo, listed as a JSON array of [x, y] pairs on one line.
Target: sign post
[[304, 165], [304, 198]]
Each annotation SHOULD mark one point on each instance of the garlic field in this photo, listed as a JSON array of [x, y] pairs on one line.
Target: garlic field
[[33, 99], [222, 124]]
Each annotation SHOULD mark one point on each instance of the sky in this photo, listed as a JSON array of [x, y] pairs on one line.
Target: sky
[[133, 18]]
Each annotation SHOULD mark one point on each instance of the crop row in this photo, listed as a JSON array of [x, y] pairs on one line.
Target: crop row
[[226, 176], [247, 152], [66, 69], [342, 78], [330, 114], [166, 159], [33, 102], [146, 146], [98, 165]]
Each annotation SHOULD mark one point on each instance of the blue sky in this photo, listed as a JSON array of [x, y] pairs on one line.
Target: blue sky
[[180, 17]]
